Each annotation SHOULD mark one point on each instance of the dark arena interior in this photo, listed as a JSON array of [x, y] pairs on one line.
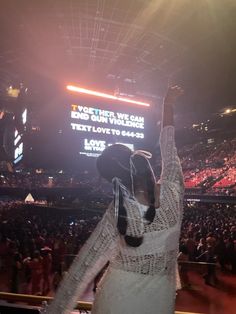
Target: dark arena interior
[[76, 77]]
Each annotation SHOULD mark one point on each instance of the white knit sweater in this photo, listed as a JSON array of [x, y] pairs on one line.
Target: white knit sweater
[[156, 255]]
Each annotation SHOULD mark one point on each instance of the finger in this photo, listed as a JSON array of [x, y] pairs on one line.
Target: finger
[[175, 89], [178, 88]]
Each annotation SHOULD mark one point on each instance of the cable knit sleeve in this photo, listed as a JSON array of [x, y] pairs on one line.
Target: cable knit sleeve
[[171, 167], [95, 253]]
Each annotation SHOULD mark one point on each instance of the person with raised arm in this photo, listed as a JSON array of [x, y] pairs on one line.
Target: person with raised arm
[[138, 234]]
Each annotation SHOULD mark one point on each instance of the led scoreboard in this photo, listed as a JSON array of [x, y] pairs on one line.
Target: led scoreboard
[[99, 122]]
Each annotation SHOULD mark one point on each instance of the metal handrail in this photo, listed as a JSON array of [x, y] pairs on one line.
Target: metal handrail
[[196, 263], [34, 299]]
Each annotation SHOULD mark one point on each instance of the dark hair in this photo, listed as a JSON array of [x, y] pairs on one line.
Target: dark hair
[[17, 257], [183, 249], [122, 224], [144, 173], [36, 254], [115, 162]]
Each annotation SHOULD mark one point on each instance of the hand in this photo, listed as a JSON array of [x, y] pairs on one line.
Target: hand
[[26, 260], [172, 94]]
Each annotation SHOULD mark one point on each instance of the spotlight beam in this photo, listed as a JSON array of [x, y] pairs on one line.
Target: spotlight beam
[[104, 95]]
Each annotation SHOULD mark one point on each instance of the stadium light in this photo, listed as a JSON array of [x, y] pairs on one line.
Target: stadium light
[[104, 95], [229, 111]]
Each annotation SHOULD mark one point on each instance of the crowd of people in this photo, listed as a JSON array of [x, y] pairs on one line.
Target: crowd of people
[[215, 154], [224, 186], [211, 167], [41, 179], [208, 234], [37, 245]]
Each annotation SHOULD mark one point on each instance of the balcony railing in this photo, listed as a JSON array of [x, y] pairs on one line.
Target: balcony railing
[[39, 300]]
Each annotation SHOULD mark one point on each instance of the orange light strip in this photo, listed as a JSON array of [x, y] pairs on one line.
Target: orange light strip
[[104, 95]]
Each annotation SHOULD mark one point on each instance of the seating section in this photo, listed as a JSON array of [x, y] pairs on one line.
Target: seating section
[[211, 167]]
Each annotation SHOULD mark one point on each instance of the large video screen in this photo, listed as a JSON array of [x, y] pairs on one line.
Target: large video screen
[[98, 123]]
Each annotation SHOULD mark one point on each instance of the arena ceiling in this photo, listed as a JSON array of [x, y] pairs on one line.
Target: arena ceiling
[[137, 46]]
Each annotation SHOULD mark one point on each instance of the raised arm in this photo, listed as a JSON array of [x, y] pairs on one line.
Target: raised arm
[[95, 253], [168, 114], [171, 168]]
